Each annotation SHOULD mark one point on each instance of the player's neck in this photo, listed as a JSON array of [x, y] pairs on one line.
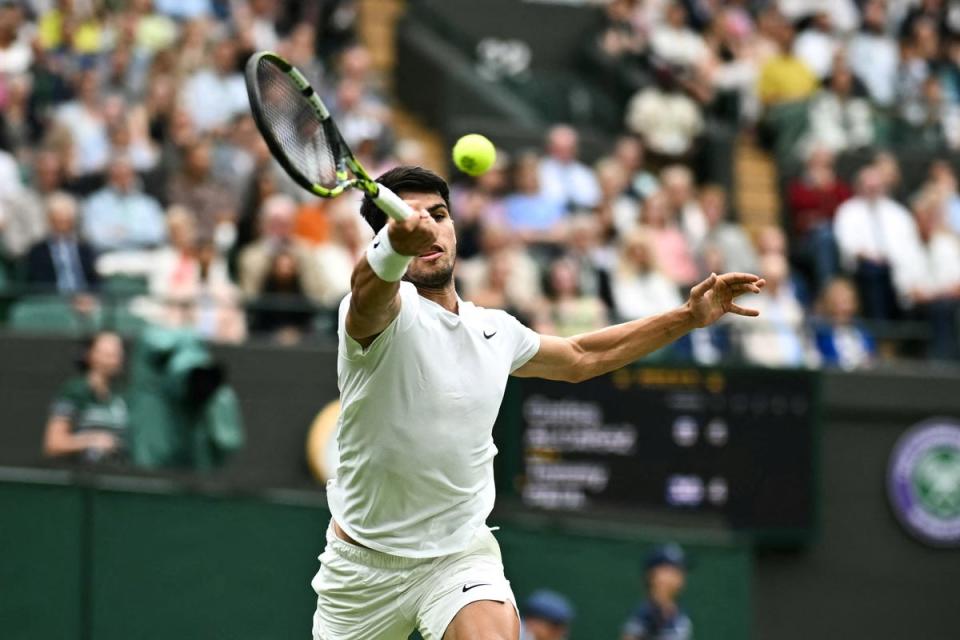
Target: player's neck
[[445, 296]]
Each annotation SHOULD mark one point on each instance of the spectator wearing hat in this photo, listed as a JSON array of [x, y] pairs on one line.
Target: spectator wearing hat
[[547, 616], [660, 616]]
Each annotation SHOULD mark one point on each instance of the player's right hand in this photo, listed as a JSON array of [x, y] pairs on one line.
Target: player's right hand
[[415, 235]]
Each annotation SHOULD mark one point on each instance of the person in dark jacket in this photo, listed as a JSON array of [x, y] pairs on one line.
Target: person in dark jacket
[[62, 260]]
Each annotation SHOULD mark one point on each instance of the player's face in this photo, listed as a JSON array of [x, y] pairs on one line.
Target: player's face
[[433, 268]]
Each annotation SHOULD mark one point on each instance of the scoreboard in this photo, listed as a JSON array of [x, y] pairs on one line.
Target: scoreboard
[[737, 443]]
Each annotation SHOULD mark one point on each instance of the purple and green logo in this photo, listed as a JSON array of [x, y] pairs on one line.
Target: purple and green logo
[[923, 481]]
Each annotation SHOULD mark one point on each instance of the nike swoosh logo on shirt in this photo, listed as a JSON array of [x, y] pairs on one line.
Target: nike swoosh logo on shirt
[[474, 586], [376, 244], [489, 335]]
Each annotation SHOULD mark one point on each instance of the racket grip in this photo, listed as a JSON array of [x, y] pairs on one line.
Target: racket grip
[[391, 204]]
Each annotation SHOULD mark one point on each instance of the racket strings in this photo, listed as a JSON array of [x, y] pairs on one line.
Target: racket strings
[[295, 126]]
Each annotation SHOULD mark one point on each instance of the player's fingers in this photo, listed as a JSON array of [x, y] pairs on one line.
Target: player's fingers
[[743, 311], [739, 278], [740, 289], [698, 290]]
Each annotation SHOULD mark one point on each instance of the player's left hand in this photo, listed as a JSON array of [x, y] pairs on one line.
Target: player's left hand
[[714, 296]]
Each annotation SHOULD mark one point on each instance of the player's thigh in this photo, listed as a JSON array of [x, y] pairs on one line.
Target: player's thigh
[[485, 620], [471, 589]]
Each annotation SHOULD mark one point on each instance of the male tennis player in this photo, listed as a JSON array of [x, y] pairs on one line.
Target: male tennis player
[[422, 374]]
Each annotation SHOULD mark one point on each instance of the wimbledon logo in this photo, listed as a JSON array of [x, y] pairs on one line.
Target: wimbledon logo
[[923, 481]]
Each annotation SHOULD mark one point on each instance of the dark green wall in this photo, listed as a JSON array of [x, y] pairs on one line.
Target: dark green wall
[[151, 562]]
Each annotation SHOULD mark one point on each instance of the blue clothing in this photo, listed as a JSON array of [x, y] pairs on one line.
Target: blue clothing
[[534, 212], [844, 347], [114, 221], [648, 622]]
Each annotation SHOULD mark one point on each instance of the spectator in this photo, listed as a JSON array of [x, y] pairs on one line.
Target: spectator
[[85, 120], [933, 284], [16, 54], [841, 341], [785, 78], [337, 257], [494, 291], [839, 119], [617, 211], [570, 312], [816, 45], [777, 338], [944, 180], [196, 188], [120, 217], [677, 181], [284, 311], [873, 55], [671, 250], [562, 176], [546, 616], [629, 153], [525, 281], [222, 79], [23, 220], [665, 117], [877, 239], [359, 118], [639, 288], [660, 616], [674, 42], [258, 267], [190, 285], [534, 212], [62, 259], [812, 202], [88, 417], [930, 119], [726, 241]]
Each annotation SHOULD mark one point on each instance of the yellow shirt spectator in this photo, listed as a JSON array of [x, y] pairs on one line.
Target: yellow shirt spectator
[[82, 36], [785, 78]]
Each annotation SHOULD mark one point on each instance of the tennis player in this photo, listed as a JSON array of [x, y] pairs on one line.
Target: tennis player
[[421, 375]]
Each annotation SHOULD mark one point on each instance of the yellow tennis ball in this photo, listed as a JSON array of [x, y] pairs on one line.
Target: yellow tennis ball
[[474, 154]]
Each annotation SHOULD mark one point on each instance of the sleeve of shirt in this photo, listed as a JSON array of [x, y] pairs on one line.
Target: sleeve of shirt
[[64, 404], [351, 350], [526, 341]]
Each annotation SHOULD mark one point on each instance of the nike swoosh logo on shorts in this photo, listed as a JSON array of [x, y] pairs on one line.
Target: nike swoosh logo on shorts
[[474, 586], [492, 333]]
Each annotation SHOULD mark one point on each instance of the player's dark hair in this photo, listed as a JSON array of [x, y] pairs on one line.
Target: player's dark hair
[[415, 179]]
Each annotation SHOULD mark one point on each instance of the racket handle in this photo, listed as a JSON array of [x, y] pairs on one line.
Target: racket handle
[[391, 204]]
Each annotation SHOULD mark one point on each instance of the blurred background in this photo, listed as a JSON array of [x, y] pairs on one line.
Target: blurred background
[[168, 297]]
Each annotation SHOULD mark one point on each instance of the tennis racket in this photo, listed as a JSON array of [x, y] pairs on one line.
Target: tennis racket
[[304, 139]]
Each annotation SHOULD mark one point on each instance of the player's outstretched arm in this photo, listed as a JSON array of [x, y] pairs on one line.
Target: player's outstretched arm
[[592, 354], [375, 282]]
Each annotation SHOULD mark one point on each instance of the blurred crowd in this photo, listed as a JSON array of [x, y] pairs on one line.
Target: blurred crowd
[[130, 164]]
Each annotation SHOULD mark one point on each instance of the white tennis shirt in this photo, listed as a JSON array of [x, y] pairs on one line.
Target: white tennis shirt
[[417, 409]]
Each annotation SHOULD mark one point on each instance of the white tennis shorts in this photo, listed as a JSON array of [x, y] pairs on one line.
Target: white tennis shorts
[[368, 595]]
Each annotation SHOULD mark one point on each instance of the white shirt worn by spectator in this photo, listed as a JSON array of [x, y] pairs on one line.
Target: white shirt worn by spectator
[[682, 47], [777, 337], [874, 59], [668, 122], [10, 182], [844, 15], [880, 229], [643, 294], [89, 134], [817, 49], [415, 477], [16, 58], [231, 93], [936, 270], [570, 182]]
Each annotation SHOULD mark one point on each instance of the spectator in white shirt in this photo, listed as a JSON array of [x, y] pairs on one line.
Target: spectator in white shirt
[[839, 120], [816, 45], [874, 55], [16, 54], [665, 117], [778, 338], [877, 239], [677, 181], [640, 289], [120, 216], [85, 120], [675, 42], [934, 280], [222, 80], [563, 176]]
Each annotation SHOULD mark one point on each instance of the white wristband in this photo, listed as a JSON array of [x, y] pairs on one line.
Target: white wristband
[[385, 262]]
